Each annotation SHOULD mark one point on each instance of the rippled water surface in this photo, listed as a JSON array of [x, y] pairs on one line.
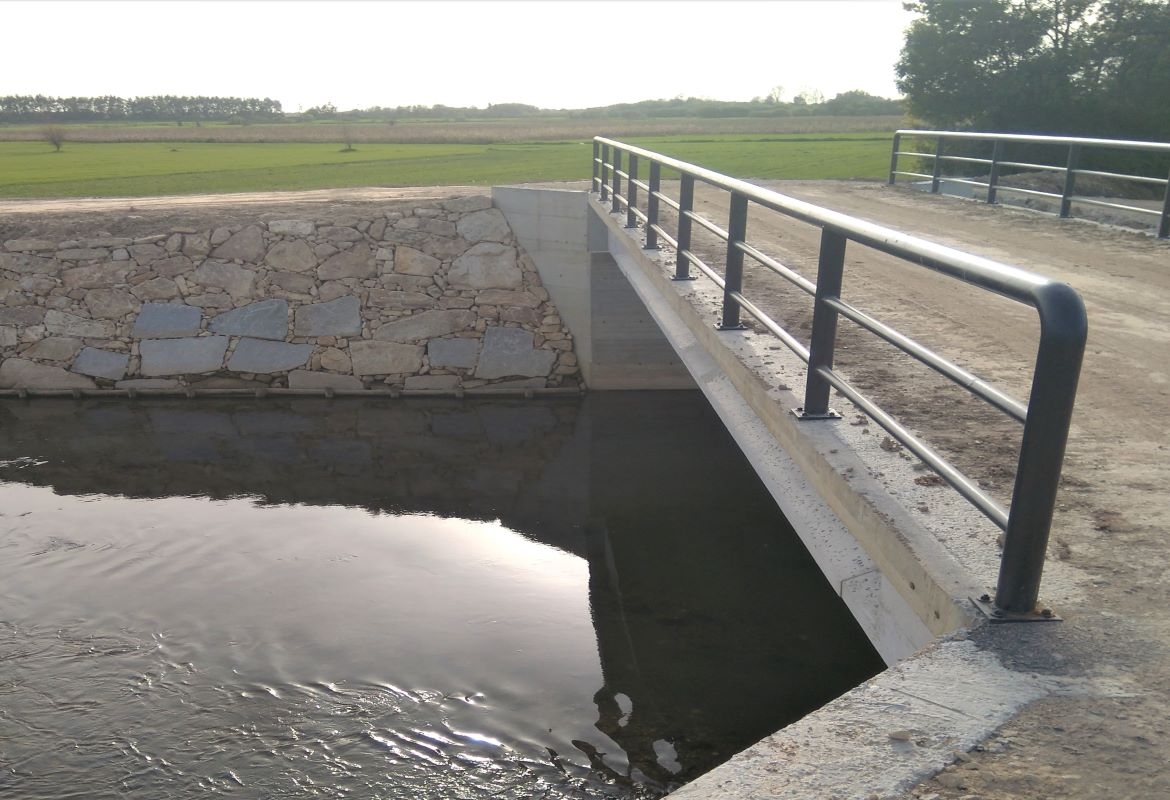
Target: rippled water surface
[[395, 599]]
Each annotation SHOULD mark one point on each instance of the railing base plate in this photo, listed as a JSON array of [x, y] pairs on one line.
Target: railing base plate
[[997, 615], [739, 327], [687, 278], [804, 416]]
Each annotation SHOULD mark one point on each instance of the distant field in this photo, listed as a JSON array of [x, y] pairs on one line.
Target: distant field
[[442, 131], [146, 168]]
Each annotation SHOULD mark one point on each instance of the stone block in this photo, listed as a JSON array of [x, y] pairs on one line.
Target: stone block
[[305, 380], [111, 303], [508, 352], [486, 266], [94, 276], [247, 245], [22, 316], [427, 325], [500, 297], [385, 358], [488, 225], [267, 319], [291, 227], [291, 256], [356, 262], [182, 356], [54, 348], [340, 317], [18, 373], [453, 352], [101, 364], [173, 266], [408, 261], [392, 299], [258, 355], [292, 282], [9, 336], [29, 244], [146, 253], [28, 264], [82, 254], [156, 289], [432, 382], [63, 324], [336, 360], [236, 281], [166, 321]]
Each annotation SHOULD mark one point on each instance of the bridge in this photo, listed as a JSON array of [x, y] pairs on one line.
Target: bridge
[[915, 564]]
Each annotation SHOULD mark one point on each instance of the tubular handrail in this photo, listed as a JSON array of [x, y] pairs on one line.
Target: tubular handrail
[[1071, 170], [1063, 329]]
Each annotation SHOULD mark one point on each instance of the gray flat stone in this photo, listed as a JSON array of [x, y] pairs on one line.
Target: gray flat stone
[[182, 356], [9, 336], [17, 373], [356, 262], [166, 321], [291, 256], [509, 352], [408, 261], [22, 316], [385, 358], [101, 364], [487, 265], [427, 325], [247, 245], [28, 265], [488, 225], [236, 281], [462, 205], [63, 324], [258, 355], [502, 297], [267, 319], [111, 303], [291, 227], [340, 317], [453, 352], [303, 379], [30, 244], [54, 348]]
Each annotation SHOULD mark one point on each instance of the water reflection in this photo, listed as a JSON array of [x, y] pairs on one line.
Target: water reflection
[[397, 599]]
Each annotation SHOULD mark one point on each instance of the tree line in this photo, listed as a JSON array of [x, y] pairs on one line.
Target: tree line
[[1061, 67], [157, 108]]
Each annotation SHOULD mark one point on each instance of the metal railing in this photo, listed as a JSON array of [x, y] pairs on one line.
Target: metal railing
[[1069, 170], [1063, 329]]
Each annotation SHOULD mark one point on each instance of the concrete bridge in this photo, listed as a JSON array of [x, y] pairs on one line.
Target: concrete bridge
[[905, 555]]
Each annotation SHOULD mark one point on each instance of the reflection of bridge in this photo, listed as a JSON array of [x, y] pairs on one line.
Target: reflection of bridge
[[714, 626]]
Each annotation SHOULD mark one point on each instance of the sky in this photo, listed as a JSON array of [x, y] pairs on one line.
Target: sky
[[547, 53]]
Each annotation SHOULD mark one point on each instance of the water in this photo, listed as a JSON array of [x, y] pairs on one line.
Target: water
[[395, 599]]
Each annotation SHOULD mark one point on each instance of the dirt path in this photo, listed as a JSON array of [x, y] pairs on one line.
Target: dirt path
[[1114, 510]]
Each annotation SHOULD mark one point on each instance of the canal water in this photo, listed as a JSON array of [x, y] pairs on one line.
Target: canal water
[[571, 598]]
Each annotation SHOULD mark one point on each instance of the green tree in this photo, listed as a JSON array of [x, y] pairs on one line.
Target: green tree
[[1073, 67]]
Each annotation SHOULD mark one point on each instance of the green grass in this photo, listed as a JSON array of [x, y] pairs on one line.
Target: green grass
[[139, 169]]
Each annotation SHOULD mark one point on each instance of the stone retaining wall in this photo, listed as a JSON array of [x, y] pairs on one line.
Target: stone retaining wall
[[429, 295]]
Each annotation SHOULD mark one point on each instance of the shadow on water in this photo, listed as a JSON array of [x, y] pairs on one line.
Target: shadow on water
[[712, 624]]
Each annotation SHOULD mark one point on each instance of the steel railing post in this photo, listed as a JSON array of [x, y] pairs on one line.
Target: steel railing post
[[1164, 227], [938, 156], [632, 193], [652, 205], [686, 202], [823, 340], [733, 275], [1063, 330], [593, 181], [993, 179], [894, 157], [604, 167], [1070, 180], [616, 188]]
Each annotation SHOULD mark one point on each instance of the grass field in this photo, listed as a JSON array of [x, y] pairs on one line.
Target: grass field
[[145, 168]]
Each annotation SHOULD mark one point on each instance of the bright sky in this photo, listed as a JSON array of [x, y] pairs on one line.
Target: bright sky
[[550, 53]]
